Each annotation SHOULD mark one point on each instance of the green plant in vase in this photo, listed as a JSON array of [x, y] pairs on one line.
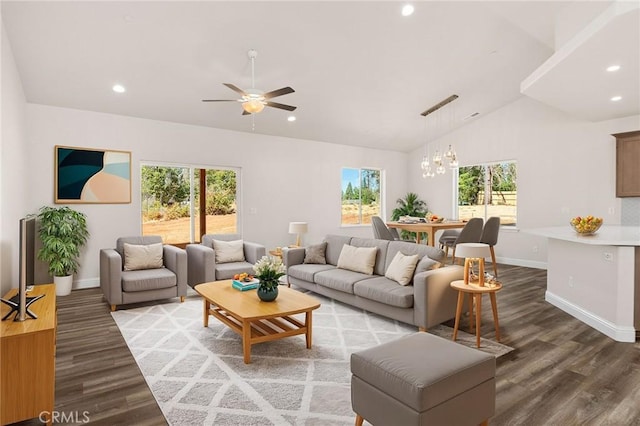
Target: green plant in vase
[[268, 271], [63, 232], [410, 205]]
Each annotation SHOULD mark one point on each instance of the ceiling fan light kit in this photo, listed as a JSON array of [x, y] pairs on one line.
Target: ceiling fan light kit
[[254, 100]]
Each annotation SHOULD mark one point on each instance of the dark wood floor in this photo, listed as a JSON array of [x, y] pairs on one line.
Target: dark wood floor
[[562, 372]]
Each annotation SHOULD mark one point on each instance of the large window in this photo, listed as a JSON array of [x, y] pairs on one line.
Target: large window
[[487, 190], [361, 196], [181, 203]]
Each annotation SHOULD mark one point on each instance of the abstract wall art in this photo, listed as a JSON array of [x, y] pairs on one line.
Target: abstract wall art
[[87, 175]]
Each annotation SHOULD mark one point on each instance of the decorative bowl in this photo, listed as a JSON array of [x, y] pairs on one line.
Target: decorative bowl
[[587, 225]]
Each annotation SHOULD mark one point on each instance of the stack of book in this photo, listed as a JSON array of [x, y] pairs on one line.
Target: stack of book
[[245, 285]]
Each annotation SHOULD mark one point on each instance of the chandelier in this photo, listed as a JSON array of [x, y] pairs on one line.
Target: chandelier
[[436, 166]]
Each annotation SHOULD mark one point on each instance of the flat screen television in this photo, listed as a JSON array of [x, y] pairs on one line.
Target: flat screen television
[[26, 276]]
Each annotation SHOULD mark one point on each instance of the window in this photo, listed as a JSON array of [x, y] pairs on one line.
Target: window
[[487, 190], [361, 196], [175, 207]]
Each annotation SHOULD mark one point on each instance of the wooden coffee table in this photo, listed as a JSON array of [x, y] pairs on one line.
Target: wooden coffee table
[[257, 321]]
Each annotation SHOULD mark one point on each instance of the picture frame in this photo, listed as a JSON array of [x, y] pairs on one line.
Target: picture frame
[[91, 176]]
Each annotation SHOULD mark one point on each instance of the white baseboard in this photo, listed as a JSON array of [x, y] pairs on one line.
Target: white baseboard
[[616, 332], [522, 262], [86, 283]]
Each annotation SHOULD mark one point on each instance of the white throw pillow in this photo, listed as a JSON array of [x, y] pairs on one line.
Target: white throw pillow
[[401, 268], [358, 259], [229, 251], [148, 256]]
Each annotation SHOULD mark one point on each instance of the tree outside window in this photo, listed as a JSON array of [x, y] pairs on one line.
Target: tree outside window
[[180, 215], [361, 196], [487, 190]]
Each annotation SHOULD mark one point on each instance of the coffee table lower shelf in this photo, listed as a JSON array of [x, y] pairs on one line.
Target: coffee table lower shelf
[[260, 329]]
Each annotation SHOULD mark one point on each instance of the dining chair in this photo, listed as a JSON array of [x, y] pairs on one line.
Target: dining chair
[[490, 236], [380, 230], [448, 235], [469, 234]]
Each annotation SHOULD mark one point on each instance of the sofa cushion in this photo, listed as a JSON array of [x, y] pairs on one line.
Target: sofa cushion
[[142, 256], [148, 279], [411, 248], [334, 247], [229, 251], [315, 254], [358, 259], [308, 271], [147, 239], [226, 271], [384, 290], [401, 268], [427, 264], [381, 257], [339, 279]]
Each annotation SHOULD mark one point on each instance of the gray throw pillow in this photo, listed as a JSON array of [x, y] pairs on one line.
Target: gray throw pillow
[[427, 264], [315, 254]]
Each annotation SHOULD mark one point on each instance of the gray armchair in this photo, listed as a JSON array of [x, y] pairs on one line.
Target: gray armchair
[[121, 286], [202, 259]]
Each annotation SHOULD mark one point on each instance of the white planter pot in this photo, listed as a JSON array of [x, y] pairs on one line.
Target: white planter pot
[[63, 285]]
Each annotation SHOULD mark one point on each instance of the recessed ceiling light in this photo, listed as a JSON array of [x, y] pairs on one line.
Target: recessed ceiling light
[[616, 98], [613, 68], [119, 88], [407, 10], [291, 118]]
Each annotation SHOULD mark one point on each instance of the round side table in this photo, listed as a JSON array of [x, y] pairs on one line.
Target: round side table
[[476, 291]]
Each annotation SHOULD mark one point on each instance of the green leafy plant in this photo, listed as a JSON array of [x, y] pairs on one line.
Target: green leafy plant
[[268, 270], [63, 232], [410, 205]]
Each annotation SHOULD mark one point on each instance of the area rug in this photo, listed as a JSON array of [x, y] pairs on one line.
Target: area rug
[[198, 376]]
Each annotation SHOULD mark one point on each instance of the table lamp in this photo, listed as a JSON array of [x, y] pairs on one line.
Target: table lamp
[[473, 252], [297, 228]]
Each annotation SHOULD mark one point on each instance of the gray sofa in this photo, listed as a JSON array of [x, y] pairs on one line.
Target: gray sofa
[[202, 266], [427, 301]]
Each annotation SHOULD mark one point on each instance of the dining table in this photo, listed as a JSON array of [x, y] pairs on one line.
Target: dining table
[[430, 228]]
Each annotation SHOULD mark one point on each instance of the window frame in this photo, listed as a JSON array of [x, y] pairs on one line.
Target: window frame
[[487, 185], [192, 209], [381, 191]]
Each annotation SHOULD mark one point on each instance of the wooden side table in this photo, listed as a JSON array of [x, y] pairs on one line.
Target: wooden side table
[[276, 253], [475, 292]]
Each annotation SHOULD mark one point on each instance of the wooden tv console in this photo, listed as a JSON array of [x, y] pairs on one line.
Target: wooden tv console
[[27, 358]]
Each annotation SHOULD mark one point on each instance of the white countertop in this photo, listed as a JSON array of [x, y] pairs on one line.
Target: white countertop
[[607, 235]]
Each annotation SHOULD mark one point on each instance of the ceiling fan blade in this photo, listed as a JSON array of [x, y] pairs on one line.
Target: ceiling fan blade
[[281, 106], [219, 100], [235, 89], [245, 112], [279, 92]]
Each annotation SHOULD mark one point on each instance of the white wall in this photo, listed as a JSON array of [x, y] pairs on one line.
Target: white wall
[[13, 171], [566, 167], [283, 179]]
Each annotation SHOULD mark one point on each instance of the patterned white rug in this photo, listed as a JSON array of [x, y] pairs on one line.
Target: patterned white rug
[[198, 377]]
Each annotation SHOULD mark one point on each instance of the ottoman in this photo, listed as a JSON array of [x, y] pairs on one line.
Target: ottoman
[[422, 379]]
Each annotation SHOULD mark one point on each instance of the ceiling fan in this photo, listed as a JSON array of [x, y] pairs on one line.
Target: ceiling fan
[[254, 100]]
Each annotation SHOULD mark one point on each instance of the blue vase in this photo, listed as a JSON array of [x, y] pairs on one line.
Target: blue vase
[[267, 294]]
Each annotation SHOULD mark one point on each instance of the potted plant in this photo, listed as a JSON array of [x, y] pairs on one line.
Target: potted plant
[[63, 232], [411, 205], [268, 271]]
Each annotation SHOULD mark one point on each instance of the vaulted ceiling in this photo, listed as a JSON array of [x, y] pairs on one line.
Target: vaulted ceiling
[[361, 71]]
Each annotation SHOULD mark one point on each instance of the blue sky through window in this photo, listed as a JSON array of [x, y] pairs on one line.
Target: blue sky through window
[[350, 175]]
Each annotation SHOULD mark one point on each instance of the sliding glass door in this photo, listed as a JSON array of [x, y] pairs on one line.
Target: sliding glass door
[[180, 203]]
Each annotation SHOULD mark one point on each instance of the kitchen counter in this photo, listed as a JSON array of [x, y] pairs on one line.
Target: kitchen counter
[[607, 235], [596, 278]]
